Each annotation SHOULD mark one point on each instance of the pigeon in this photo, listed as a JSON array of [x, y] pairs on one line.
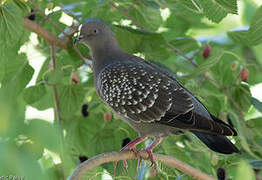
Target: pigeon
[[147, 97]]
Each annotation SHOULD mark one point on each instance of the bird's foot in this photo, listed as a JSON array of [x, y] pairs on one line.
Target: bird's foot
[[130, 146], [137, 153], [149, 151]]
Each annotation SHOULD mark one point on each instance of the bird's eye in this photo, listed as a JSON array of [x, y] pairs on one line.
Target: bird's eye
[[95, 31]]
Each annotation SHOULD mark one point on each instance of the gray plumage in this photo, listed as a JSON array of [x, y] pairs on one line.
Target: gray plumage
[[147, 97]]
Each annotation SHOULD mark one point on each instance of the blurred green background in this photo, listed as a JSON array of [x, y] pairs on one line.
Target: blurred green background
[[39, 142]]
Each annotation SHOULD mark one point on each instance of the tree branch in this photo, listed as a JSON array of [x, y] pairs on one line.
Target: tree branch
[[46, 35], [49, 37], [84, 167], [47, 16]]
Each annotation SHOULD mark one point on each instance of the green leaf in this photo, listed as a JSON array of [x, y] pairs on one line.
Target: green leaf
[[17, 76], [46, 101], [213, 10], [54, 76], [192, 5], [26, 166], [253, 36], [222, 71], [255, 30], [11, 24], [43, 133], [70, 99], [242, 95], [229, 6], [92, 135], [240, 37], [244, 171], [256, 164], [256, 103], [140, 13], [185, 44], [33, 93]]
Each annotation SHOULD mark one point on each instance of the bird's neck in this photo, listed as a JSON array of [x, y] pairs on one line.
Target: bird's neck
[[103, 55]]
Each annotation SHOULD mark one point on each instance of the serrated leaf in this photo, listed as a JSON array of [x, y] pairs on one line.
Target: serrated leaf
[[256, 103], [253, 36], [70, 99], [213, 10], [240, 37], [33, 93], [255, 30], [11, 23], [191, 5], [229, 6]]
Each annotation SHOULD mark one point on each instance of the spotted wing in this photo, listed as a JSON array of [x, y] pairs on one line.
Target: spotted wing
[[141, 93]]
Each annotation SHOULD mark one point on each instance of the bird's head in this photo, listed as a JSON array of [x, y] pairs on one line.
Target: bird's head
[[95, 34]]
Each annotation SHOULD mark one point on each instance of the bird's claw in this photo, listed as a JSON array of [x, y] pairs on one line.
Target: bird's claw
[[125, 165], [150, 158]]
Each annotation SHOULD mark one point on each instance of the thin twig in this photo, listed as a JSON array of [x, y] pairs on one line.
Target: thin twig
[[58, 112], [215, 83], [181, 54], [57, 108], [86, 166]]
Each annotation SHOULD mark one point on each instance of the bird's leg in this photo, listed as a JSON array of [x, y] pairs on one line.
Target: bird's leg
[[149, 150], [131, 146]]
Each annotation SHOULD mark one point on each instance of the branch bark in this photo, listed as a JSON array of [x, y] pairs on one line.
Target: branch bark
[[46, 35], [84, 167]]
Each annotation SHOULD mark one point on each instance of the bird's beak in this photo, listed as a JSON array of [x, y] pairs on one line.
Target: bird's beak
[[78, 39]]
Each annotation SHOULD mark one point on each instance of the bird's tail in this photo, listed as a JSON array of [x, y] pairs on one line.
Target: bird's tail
[[217, 143]]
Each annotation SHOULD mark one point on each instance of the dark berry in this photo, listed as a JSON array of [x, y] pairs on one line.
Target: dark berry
[[244, 74], [32, 15], [221, 174], [84, 110], [206, 51], [82, 158], [125, 142], [107, 116], [75, 77]]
